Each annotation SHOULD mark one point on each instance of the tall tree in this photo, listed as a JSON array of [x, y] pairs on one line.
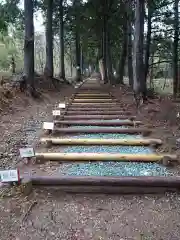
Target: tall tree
[[148, 39], [104, 42], [122, 62], [175, 48], [139, 85], [61, 39], [77, 40], [129, 42], [48, 71], [109, 59], [29, 46]]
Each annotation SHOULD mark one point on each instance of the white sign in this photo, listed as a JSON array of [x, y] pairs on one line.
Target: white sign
[[9, 175], [48, 125], [62, 105], [26, 152], [56, 112]]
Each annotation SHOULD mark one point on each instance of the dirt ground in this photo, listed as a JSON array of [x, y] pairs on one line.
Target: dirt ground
[[49, 214]]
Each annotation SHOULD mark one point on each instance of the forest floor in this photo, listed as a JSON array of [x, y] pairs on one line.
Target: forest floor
[[54, 215]]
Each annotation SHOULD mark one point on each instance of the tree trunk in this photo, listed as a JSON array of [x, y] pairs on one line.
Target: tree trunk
[[129, 43], [71, 60], [109, 60], [77, 42], [139, 85], [129, 56], [124, 49], [148, 41], [151, 75], [175, 49], [48, 71], [82, 61], [61, 40], [78, 56], [104, 38], [29, 46], [13, 65], [101, 69], [123, 59]]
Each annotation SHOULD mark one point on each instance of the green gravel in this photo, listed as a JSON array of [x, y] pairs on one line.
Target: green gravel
[[109, 149], [108, 135], [115, 169]]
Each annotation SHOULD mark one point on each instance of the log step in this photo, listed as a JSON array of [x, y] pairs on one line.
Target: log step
[[89, 141], [76, 100], [100, 117], [143, 131], [143, 181], [92, 97], [92, 108], [98, 123], [103, 157], [95, 103], [101, 112]]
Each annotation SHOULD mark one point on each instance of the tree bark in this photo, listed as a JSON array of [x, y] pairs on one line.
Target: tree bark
[[124, 48], [61, 40], [13, 65], [104, 39], [29, 46], [82, 60], [109, 60], [139, 85], [175, 48], [129, 55], [123, 59], [77, 42], [78, 56], [148, 40], [101, 69], [129, 43], [48, 71]]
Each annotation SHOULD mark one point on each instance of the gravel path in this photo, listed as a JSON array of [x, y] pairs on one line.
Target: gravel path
[[51, 215]]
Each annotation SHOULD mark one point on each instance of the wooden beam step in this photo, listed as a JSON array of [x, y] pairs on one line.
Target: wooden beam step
[[101, 112], [95, 103], [105, 183], [76, 100], [96, 130], [97, 108], [91, 117], [98, 123], [103, 157], [92, 96], [89, 141]]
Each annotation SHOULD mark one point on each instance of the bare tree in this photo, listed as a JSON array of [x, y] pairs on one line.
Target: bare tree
[[124, 49], [77, 42], [129, 42], [61, 40], [139, 85], [48, 71], [175, 48], [28, 78], [148, 39]]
